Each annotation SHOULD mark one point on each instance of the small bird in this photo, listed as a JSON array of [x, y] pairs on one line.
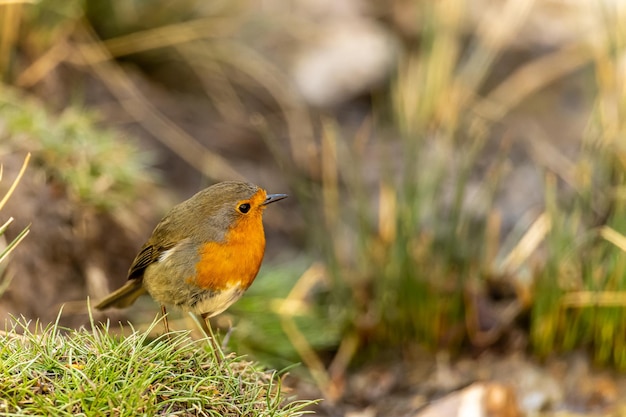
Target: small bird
[[203, 255]]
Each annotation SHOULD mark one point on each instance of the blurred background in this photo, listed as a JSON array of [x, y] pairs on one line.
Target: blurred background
[[455, 169]]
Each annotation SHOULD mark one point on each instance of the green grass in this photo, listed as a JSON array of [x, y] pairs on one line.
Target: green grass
[[89, 372]]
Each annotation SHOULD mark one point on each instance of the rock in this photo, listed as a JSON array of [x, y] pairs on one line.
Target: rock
[[535, 388], [477, 400], [347, 58]]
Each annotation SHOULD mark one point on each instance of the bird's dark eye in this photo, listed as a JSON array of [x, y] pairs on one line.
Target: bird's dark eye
[[244, 208]]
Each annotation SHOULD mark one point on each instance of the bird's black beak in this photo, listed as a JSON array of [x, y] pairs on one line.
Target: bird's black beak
[[271, 198]]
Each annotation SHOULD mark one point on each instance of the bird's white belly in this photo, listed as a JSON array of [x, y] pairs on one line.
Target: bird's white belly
[[216, 302]]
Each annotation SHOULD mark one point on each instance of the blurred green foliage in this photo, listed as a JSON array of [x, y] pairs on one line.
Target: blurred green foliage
[[96, 165], [259, 330]]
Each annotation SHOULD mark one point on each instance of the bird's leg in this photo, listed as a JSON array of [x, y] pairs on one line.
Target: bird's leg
[[165, 323], [206, 325]]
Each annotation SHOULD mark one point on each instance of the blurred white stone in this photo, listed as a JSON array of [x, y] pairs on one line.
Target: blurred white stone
[[368, 412], [535, 388], [477, 400], [347, 58]]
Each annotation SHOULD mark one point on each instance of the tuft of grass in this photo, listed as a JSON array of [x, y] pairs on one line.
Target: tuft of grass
[[56, 371]]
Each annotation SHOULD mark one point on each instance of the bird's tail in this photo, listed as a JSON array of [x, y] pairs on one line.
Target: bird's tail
[[123, 297]]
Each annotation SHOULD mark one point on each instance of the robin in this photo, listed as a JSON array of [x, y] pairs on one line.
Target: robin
[[203, 255]]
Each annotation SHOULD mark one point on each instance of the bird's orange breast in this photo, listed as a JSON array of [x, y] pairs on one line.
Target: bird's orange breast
[[237, 260]]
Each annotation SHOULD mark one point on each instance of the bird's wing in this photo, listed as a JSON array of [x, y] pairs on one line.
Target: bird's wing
[[149, 254], [146, 256], [165, 236]]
